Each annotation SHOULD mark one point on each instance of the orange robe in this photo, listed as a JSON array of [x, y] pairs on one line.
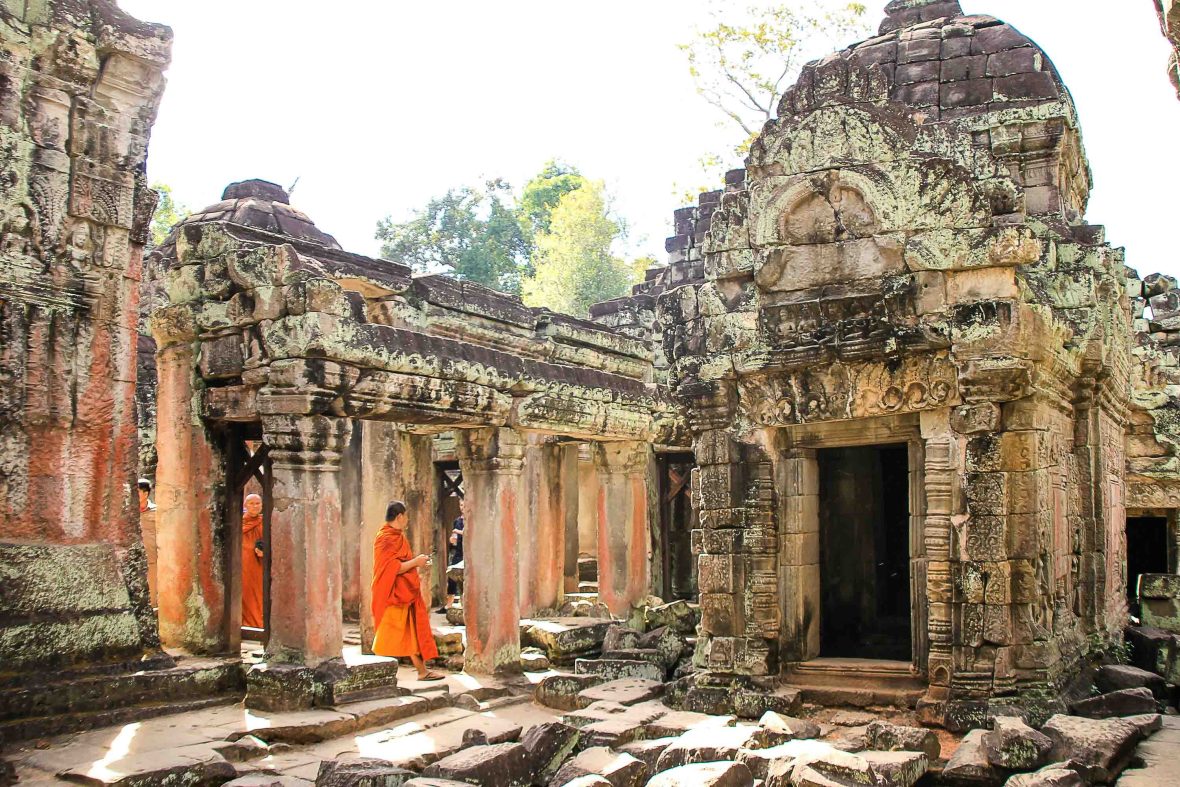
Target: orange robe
[[251, 572], [400, 614]]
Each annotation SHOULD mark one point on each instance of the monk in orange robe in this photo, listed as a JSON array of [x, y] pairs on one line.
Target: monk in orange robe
[[399, 612], [252, 563]]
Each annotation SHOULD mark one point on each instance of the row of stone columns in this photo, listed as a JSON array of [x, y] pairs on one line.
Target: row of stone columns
[[521, 511]]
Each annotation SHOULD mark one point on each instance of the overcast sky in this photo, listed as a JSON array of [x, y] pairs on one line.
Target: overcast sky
[[377, 106]]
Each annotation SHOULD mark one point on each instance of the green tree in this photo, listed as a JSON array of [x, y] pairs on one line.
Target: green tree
[[465, 233], [744, 63], [573, 263], [541, 195], [167, 214]]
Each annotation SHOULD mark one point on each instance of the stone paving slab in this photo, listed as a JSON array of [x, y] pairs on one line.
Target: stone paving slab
[[1161, 758]]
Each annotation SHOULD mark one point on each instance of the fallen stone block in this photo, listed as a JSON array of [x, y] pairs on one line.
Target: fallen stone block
[[883, 736], [708, 774], [788, 728], [620, 637], [781, 758], [714, 700], [1053, 775], [635, 654], [533, 660], [611, 733], [969, 764], [1124, 702], [361, 772], [264, 780], [1112, 677], [1155, 650], [561, 691], [667, 642], [897, 768], [549, 745], [628, 691], [1102, 746], [680, 616], [605, 710], [1014, 745], [617, 669], [648, 751], [679, 722], [426, 781], [619, 769], [567, 638], [496, 765], [831, 769], [1147, 723], [708, 744], [748, 704], [243, 749], [589, 780]]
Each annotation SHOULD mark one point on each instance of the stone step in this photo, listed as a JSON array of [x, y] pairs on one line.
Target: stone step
[[18, 729], [859, 683], [325, 724], [80, 694]]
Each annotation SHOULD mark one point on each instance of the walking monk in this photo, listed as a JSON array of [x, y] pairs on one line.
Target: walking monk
[[252, 563], [399, 613]]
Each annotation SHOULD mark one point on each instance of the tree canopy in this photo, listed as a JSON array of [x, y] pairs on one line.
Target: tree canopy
[[167, 214], [552, 245], [573, 264], [469, 234], [744, 63]]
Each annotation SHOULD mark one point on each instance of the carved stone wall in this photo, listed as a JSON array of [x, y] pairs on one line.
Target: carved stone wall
[[906, 260], [80, 83], [1169, 12]]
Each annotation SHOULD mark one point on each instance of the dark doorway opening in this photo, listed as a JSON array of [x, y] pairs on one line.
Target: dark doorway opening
[[449, 542], [676, 577], [864, 542], [1147, 553], [250, 476]]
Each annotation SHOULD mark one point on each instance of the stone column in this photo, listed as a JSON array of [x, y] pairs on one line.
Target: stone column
[[493, 506], [351, 534], [572, 509], [798, 558], [623, 524], [195, 562], [543, 528], [305, 623]]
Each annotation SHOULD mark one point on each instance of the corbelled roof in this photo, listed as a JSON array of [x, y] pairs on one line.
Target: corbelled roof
[[933, 58], [262, 205]]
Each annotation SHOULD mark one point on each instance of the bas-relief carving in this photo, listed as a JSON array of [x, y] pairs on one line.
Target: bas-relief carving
[[842, 391]]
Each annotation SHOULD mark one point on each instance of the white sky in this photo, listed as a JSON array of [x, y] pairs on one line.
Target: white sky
[[378, 106]]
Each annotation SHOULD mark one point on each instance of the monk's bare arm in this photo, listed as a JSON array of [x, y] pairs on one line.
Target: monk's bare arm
[[411, 564]]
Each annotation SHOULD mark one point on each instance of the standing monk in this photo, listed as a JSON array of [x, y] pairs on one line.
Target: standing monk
[[399, 613], [252, 563]]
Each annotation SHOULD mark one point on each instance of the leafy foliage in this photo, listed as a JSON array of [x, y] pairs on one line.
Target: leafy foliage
[[465, 233], [167, 214], [552, 246], [574, 266], [541, 195], [746, 61]]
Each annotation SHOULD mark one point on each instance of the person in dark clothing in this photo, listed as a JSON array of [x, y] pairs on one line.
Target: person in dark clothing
[[454, 556]]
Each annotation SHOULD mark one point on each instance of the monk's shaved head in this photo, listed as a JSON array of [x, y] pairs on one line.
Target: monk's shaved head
[[253, 497]]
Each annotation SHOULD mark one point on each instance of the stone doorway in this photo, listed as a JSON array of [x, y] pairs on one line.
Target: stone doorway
[[450, 500], [1147, 553], [864, 528], [251, 474], [675, 575]]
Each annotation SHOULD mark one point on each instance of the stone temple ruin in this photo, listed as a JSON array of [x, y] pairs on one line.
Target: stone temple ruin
[[894, 428]]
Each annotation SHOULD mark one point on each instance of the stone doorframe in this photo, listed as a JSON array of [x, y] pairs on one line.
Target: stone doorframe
[[797, 479], [1173, 517]]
